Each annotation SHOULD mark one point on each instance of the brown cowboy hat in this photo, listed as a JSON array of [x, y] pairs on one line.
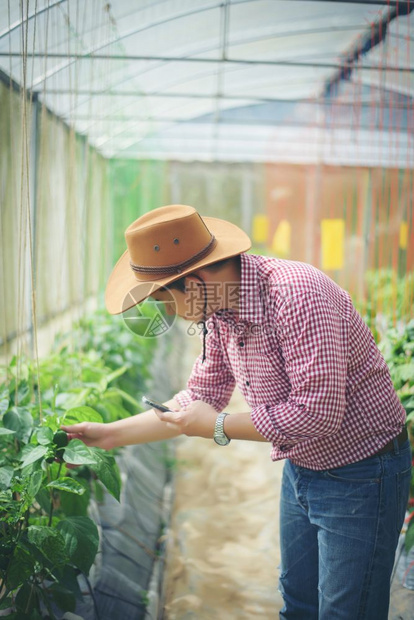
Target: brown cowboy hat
[[165, 245]]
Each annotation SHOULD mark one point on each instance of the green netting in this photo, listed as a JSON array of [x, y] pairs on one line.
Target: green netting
[[72, 213], [81, 205], [64, 183], [14, 311], [135, 187]]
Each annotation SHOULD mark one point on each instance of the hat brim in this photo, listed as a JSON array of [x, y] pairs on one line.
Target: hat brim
[[124, 290]]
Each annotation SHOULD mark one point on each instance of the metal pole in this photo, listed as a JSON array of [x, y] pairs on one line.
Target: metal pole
[[234, 61]]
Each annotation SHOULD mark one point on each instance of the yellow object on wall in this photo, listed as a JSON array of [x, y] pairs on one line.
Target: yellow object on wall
[[332, 243], [281, 239], [260, 228], [403, 235]]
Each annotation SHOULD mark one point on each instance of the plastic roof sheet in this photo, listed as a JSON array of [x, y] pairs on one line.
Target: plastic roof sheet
[[209, 79]]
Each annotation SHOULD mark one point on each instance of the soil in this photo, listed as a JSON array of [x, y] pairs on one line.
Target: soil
[[223, 543], [223, 551]]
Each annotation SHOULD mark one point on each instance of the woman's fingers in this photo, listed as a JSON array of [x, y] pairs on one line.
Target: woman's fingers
[[74, 428]]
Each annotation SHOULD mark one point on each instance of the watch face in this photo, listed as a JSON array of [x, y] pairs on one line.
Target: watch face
[[222, 440]]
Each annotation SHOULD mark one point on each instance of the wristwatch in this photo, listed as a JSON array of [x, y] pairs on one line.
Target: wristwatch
[[219, 435]]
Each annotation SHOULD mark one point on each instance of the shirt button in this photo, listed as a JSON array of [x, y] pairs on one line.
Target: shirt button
[[247, 382], [241, 344]]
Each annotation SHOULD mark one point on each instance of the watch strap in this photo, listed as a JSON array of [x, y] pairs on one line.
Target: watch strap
[[220, 436]]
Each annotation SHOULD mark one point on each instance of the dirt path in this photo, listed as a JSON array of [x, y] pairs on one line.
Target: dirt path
[[223, 553], [223, 542]]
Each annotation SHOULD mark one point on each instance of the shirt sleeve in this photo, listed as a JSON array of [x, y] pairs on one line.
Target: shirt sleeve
[[314, 342], [212, 380]]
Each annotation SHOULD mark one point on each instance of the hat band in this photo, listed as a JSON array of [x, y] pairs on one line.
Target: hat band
[[178, 267]]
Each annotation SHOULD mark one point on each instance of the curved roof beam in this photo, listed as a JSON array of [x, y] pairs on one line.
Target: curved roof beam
[[386, 3], [33, 15], [200, 74], [92, 50], [120, 109], [308, 100], [149, 119], [109, 90], [133, 121], [235, 61]]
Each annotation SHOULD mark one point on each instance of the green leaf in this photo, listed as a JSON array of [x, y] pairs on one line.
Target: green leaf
[[21, 567], [405, 372], [43, 499], [22, 397], [94, 377], [19, 419], [20, 615], [409, 536], [76, 505], [6, 431], [18, 368], [44, 435], [39, 519], [64, 483], [99, 491], [81, 540], [6, 474], [75, 398], [77, 453], [67, 578], [27, 599], [35, 483], [64, 598], [107, 471], [6, 603], [113, 411], [124, 395], [4, 405], [81, 414], [49, 541], [30, 454], [116, 373]]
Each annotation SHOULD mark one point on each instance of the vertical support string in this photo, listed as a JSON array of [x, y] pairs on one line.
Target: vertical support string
[[21, 229], [31, 248], [26, 101], [409, 258]]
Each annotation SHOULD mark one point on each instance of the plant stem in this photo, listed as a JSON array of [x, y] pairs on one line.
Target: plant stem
[[5, 595], [29, 600], [51, 497], [51, 508], [59, 470]]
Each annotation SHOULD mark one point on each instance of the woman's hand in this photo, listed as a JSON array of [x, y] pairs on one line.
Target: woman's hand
[[91, 433], [196, 420]]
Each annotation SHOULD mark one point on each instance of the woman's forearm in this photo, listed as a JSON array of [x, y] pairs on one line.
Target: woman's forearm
[[141, 428]]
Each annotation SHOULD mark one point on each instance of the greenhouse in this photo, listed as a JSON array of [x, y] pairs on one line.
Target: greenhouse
[[208, 204]]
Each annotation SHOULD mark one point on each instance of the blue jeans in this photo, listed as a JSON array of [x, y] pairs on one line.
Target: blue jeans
[[339, 530]]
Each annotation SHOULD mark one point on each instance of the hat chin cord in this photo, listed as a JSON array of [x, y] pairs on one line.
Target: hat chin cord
[[202, 323]]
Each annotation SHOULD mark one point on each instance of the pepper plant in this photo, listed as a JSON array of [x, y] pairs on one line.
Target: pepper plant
[[387, 298], [118, 348], [397, 347], [46, 537], [95, 374]]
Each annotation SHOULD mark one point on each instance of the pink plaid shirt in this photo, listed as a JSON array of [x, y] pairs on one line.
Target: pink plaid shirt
[[318, 387]]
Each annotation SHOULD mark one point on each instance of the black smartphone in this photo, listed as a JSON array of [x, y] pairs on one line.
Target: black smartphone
[[153, 403]]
